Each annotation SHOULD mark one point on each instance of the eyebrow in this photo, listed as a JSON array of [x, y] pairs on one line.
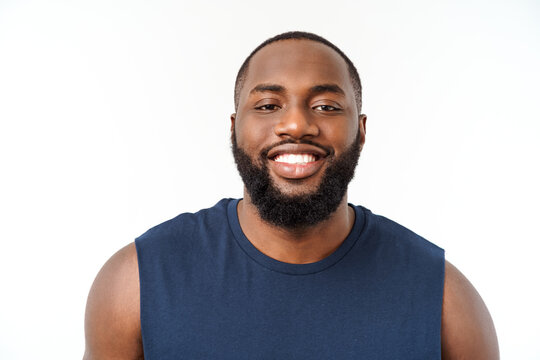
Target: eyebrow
[[323, 88], [267, 88]]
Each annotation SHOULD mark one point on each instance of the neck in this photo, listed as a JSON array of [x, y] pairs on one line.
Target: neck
[[296, 246]]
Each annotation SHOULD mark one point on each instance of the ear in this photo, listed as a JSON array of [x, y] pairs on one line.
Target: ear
[[233, 119], [362, 119]]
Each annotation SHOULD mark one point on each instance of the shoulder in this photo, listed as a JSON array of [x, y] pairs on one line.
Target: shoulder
[[384, 225], [112, 321], [467, 330], [390, 233], [184, 224]]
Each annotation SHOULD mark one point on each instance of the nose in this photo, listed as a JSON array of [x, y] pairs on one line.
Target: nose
[[297, 123]]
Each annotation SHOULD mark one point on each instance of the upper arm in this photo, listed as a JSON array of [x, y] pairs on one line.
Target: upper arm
[[467, 328], [112, 321]]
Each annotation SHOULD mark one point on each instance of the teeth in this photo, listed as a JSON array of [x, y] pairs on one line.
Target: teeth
[[295, 158]]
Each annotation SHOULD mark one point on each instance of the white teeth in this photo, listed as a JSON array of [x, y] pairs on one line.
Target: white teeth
[[295, 158]]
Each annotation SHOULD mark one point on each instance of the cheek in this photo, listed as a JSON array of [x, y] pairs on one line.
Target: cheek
[[252, 135], [340, 135]]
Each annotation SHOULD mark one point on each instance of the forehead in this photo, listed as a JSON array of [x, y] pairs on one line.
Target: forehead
[[297, 63]]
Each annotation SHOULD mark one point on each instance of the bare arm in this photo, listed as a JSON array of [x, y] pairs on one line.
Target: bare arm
[[467, 328], [112, 322]]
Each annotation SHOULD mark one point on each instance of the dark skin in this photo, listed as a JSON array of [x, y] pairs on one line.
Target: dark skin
[[280, 102], [296, 107]]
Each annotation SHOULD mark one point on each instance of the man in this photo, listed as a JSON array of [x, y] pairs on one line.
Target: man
[[291, 270]]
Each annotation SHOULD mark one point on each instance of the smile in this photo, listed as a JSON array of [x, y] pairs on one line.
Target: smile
[[295, 158], [296, 161]]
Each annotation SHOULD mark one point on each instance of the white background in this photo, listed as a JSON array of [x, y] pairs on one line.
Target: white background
[[115, 117]]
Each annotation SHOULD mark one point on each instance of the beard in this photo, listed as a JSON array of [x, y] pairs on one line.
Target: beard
[[302, 210]]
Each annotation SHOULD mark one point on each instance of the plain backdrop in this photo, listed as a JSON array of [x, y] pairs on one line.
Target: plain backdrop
[[115, 117]]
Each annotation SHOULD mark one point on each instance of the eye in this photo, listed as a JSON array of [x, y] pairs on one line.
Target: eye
[[326, 108], [267, 107]]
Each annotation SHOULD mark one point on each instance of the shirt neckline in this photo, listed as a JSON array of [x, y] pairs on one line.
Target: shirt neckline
[[287, 268]]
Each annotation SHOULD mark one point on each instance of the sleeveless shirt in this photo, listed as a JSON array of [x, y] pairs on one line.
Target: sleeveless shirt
[[208, 293]]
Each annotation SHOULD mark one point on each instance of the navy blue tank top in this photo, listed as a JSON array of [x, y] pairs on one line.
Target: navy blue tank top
[[208, 293]]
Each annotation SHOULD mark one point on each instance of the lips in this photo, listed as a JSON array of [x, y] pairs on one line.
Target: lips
[[296, 161]]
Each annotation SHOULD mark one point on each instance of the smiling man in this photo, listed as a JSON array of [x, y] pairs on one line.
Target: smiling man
[[291, 270]]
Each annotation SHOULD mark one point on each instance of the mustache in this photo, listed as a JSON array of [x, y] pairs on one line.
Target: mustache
[[328, 150]]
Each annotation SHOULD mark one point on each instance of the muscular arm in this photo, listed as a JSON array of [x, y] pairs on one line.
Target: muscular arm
[[112, 322], [467, 328]]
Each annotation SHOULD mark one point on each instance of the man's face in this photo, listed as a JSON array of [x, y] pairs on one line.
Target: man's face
[[298, 126]]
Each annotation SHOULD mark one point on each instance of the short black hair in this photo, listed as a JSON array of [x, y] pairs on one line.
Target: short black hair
[[300, 35]]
